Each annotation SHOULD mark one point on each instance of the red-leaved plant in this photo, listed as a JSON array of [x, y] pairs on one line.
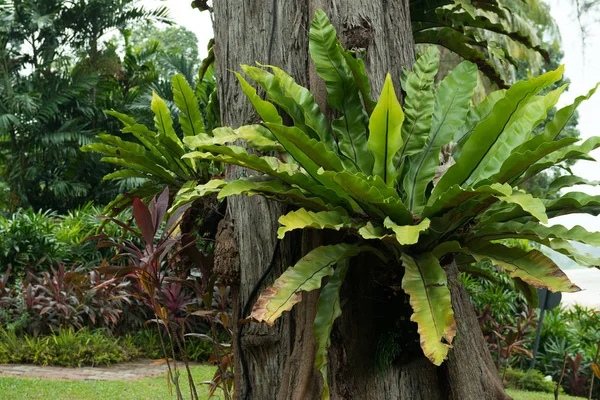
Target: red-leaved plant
[[173, 296]]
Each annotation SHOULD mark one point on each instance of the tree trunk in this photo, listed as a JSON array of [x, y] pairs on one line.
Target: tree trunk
[[277, 362]]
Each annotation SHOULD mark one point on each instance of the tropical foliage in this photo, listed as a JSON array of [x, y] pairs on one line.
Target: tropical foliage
[[495, 35], [418, 186], [154, 158]]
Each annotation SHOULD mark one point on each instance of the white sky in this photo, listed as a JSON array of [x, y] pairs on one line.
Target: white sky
[[582, 67]]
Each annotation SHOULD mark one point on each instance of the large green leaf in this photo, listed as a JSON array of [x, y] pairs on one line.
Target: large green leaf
[[328, 310], [166, 134], [456, 197], [568, 203], [302, 219], [574, 152], [452, 101], [373, 195], [305, 276], [257, 137], [190, 117], [310, 153], [517, 130], [527, 202], [287, 172], [465, 46], [313, 117], [191, 191], [536, 232], [532, 266], [566, 181], [124, 118], [426, 283], [274, 189], [359, 72], [266, 110], [385, 132], [342, 92], [475, 115], [566, 248], [276, 93], [407, 234], [522, 157], [487, 133], [418, 103]]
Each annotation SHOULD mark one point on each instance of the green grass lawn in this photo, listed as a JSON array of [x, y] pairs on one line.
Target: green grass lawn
[[143, 389], [523, 395]]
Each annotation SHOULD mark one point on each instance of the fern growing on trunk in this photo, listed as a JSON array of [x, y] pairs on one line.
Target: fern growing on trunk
[[418, 186]]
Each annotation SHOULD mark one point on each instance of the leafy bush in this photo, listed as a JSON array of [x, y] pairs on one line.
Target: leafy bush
[[68, 298], [66, 348], [36, 240], [531, 380]]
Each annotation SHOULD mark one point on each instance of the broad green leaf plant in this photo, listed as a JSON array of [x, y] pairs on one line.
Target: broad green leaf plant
[[419, 185], [154, 157]]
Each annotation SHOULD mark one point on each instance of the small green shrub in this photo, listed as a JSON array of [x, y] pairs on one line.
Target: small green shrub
[[531, 380], [67, 348]]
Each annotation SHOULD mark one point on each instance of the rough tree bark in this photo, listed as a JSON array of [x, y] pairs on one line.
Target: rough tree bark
[[277, 363]]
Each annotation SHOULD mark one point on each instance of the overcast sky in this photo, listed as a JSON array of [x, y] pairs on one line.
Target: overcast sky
[[582, 66]]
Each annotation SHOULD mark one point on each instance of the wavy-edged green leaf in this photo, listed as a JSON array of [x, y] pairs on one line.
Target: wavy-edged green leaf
[[564, 115], [276, 93], [308, 152], [452, 100], [465, 46], [274, 167], [427, 286], [257, 136], [342, 92], [540, 146], [313, 117], [522, 157], [456, 196], [374, 231], [273, 189], [373, 195], [131, 160], [418, 103], [328, 310], [487, 133], [533, 266], [166, 134], [266, 110], [191, 191], [536, 232], [568, 203], [516, 132], [190, 117], [305, 276], [407, 234], [125, 174], [302, 219], [475, 115], [566, 248], [574, 152], [124, 118], [359, 72], [567, 181], [385, 132], [527, 202]]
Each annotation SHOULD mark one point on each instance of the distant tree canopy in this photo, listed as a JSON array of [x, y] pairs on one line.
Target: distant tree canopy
[[58, 74]]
